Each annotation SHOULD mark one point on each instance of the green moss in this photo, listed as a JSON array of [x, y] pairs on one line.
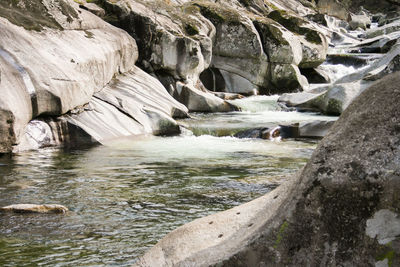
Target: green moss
[[313, 37], [389, 255], [67, 10], [33, 14], [281, 233], [270, 31], [89, 34], [191, 29], [218, 14], [334, 107]]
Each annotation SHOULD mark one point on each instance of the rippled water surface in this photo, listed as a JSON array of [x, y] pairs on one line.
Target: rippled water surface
[[126, 196]]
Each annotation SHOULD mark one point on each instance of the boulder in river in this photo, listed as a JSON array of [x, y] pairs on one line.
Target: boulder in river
[[34, 208], [314, 129], [341, 209], [361, 20]]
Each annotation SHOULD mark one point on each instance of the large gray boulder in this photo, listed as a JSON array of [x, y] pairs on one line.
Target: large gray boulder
[[333, 8], [237, 49], [169, 38], [132, 104], [78, 55], [361, 20], [174, 40], [314, 43], [285, 53], [341, 209], [201, 100], [336, 99], [87, 84], [184, 38]]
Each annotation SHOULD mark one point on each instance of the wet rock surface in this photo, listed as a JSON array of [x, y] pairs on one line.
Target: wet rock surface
[[34, 208], [315, 129]]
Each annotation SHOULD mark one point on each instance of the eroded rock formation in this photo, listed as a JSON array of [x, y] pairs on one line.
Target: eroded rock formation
[[87, 78], [59, 70], [250, 51]]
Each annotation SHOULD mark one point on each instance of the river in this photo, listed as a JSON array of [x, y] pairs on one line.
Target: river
[[125, 196]]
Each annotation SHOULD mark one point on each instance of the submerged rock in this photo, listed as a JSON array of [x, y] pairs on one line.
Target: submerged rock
[[33, 208], [315, 129], [341, 209]]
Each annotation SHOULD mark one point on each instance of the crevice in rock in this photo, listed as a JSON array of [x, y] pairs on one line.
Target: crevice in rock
[[120, 109], [213, 80]]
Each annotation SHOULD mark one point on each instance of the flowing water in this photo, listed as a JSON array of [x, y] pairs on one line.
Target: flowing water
[[127, 195]]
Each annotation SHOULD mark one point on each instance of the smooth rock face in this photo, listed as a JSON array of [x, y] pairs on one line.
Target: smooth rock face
[[144, 98], [328, 215], [201, 101], [74, 64], [33, 208], [297, 99], [287, 76], [237, 50], [315, 129], [75, 82], [336, 99], [134, 103], [384, 226]]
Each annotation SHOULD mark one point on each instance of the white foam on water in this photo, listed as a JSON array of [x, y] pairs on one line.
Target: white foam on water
[[337, 71]]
